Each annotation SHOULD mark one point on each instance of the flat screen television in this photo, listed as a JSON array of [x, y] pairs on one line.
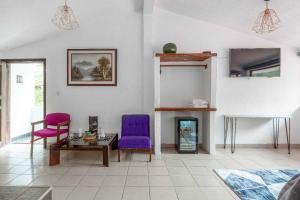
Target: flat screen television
[[262, 62]]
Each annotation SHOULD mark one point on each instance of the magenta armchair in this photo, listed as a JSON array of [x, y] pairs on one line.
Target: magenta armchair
[[55, 124], [135, 135]]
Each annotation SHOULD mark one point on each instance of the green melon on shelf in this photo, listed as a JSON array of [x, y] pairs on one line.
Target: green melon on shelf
[[170, 48]]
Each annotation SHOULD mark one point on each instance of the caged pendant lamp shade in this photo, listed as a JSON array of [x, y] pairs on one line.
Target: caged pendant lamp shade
[[267, 21], [64, 18]]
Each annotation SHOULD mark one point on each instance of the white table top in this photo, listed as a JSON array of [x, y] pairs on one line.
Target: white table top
[[259, 116]]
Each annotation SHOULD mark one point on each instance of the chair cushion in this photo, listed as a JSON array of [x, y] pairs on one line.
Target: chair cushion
[[53, 119], [135, 125], [48, 132], [135, 142]]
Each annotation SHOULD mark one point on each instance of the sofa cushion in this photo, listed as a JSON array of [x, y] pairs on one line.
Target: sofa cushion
[[48, 132], [135, 125], [135, 142]]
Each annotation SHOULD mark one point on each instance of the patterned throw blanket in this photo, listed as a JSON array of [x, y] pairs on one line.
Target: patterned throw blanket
[[291, 190]]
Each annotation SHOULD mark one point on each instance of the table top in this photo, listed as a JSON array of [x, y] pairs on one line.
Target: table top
[[18, 192], [259, 116], [105, 141]]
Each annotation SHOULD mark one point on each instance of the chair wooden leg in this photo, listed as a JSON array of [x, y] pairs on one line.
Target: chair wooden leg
[[45, 143], [150, 154], [31, 146], [119, 159], [57, 139]]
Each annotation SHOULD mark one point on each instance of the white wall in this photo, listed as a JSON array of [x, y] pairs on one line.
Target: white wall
[[179, 86], [116, 24], [122, 29], [236, 95]]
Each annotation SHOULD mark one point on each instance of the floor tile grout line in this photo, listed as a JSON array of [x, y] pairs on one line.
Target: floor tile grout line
[[148, 182], [191, 174], [171, 179], [125, 178]]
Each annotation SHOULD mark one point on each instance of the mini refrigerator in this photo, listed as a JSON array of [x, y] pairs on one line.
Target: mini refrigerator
[[186, 136]]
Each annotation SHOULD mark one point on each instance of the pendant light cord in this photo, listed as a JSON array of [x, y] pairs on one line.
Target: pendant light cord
[[267, 3]]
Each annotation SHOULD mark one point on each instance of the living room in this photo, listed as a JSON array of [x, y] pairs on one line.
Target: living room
[[162, 57]]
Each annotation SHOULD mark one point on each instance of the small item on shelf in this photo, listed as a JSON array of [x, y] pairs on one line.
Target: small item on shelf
[[74, 136], [199, 103], [80, 132], [88, 132], [102, 133], [89, 135], [93, 123], [199, 106], [170, 48]]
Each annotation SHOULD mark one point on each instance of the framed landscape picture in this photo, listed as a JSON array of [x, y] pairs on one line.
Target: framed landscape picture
[[92, 67]]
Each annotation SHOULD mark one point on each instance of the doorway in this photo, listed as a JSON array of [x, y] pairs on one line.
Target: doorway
[[26, 97]]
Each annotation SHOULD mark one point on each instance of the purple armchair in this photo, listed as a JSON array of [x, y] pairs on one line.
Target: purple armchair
[[55, 124], [135, 135]]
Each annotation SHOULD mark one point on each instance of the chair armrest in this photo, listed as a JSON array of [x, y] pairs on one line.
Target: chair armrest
[[64, 123], [38, 122]]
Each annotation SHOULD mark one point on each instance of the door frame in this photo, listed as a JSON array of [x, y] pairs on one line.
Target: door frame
[[7, 97]]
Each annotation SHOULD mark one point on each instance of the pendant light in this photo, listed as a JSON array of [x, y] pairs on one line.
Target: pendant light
[[64, 18], [267, 21]]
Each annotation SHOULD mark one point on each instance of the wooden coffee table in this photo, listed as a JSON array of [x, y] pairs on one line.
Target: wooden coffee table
[[110, 142]]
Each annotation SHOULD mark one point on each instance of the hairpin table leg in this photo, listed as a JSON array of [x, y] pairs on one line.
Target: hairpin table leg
[[276, 122], [288, 133], [226, 120], [233, 122]]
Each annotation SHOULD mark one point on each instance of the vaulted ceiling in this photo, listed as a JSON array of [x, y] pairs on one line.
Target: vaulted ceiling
[[240, 15], [26, 21], [23, 22]]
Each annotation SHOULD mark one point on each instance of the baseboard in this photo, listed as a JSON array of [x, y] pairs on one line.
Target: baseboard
[[166, 146], [258, 146], [268, 146]]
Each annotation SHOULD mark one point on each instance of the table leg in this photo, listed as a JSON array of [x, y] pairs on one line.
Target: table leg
[[105, 156], [114, 145], [233, 122], [288, 133], [276, 122], [226, 120], [54, 157]]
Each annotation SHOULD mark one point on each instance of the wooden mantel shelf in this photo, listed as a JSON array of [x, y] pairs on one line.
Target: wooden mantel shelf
[[184, 109], [184, 57]]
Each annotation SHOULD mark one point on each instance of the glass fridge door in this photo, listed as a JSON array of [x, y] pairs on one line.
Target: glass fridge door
[[188, 132]]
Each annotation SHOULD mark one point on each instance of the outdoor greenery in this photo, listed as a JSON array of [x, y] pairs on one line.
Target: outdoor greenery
[[39, 89]]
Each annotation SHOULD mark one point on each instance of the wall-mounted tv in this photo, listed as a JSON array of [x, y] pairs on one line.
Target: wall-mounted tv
[[261, 62]]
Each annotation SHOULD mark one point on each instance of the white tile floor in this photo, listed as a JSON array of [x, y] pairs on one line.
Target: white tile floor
[[169, 177]]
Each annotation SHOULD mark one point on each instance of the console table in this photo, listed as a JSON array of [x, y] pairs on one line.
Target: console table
[[230, 122]]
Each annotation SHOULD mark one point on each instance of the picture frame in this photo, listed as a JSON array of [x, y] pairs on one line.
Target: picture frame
[[92, 67]]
